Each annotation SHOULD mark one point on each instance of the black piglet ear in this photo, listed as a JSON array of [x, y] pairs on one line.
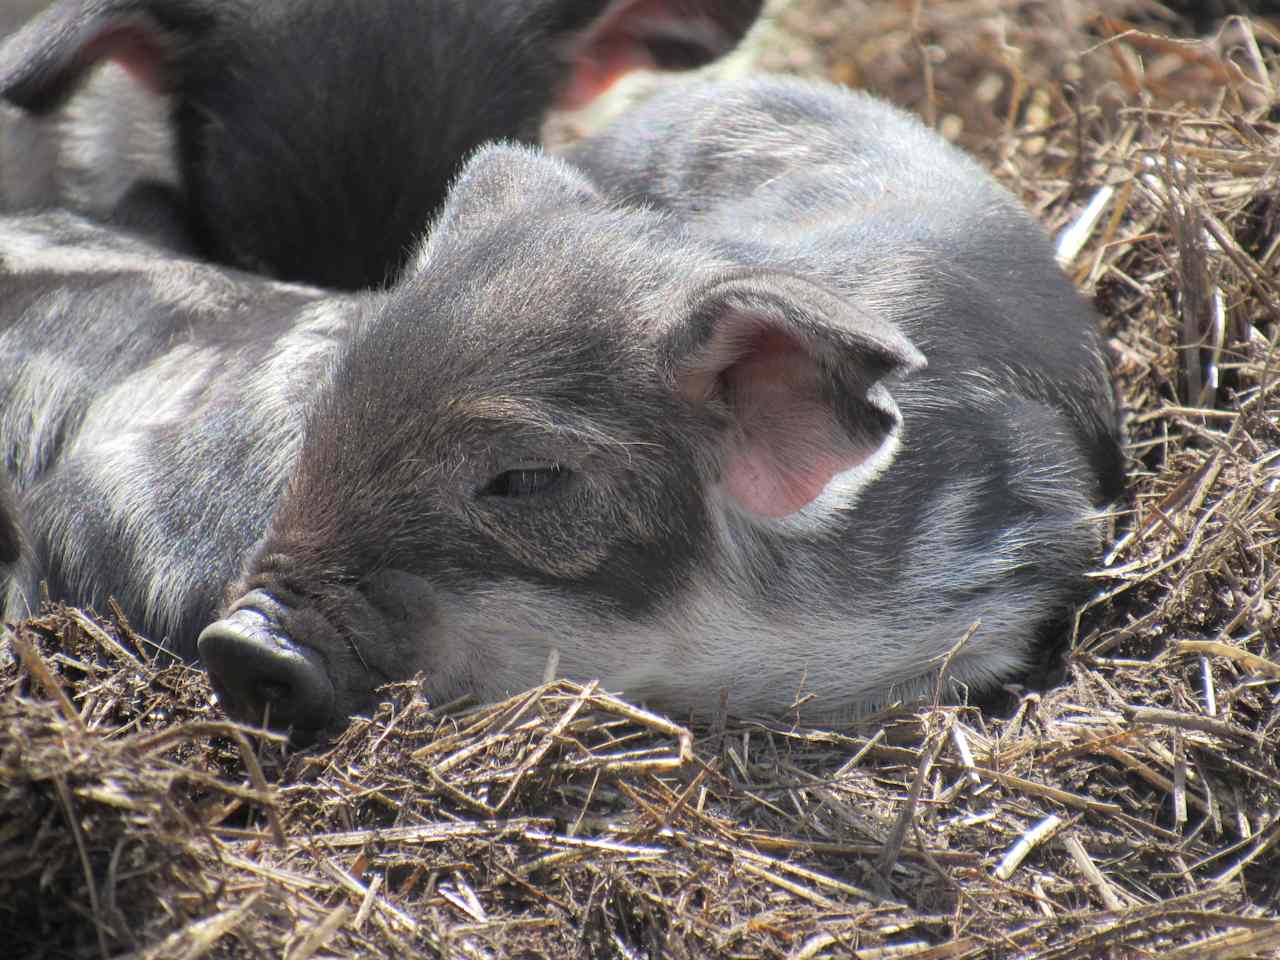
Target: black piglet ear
[[802, 375], [610, 39], [43, 63]]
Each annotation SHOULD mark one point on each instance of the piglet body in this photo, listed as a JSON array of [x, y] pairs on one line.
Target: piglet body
[[781, 408]]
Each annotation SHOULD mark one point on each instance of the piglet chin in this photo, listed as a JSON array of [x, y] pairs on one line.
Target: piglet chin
[[260, 674]]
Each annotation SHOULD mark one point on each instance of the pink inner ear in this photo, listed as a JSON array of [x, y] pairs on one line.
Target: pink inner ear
[[597, 69], [135, 49], [789, 444], [614, 47]]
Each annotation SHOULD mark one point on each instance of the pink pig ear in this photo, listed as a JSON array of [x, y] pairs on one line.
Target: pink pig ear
[[43, 63], [801, 374], [626, 35]]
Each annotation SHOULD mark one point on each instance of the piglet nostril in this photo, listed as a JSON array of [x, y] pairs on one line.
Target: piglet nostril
[[260, 673], [271, 691]]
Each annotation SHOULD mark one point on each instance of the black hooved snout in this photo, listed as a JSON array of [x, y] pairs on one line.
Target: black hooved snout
[[260, 673]]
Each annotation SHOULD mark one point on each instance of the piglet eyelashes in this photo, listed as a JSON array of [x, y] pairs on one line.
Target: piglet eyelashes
[[525, 482]]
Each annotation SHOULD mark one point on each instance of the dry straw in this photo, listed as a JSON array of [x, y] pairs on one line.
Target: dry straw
[[1131, 810]]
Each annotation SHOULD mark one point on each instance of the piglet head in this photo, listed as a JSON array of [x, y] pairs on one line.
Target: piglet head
[[538, 444]]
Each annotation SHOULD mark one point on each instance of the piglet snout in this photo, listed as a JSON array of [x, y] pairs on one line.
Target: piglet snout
[[260, 674]]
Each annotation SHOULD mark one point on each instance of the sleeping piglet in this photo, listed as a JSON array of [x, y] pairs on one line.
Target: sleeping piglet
[[309, 140], [780, 407]]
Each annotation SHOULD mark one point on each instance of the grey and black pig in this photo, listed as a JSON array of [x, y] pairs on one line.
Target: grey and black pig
[[781, 409], [309, 140]]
